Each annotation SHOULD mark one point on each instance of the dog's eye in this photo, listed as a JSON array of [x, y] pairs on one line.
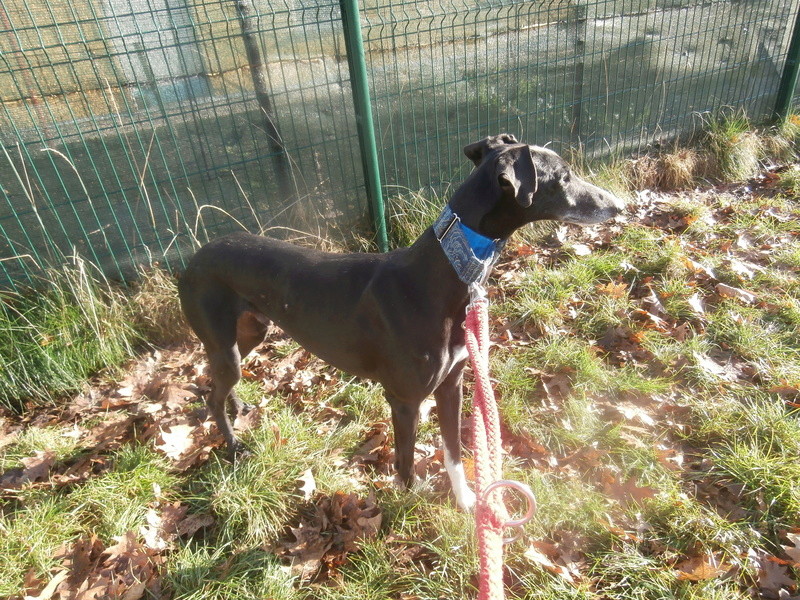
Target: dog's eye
[[565, 177]]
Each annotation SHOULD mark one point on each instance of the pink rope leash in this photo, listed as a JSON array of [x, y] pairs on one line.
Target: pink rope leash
[[490, 512]]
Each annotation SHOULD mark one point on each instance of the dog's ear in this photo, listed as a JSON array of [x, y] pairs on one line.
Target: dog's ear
[[476, 151], [518, 178]]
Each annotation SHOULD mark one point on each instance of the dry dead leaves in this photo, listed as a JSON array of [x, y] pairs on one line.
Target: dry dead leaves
[[329, 529], [128, 569]]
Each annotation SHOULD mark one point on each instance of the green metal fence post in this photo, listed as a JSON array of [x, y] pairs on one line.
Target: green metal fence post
[[790, 72], [363, 107]]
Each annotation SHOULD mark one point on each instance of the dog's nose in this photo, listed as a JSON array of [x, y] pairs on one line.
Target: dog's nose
[[616, 203]]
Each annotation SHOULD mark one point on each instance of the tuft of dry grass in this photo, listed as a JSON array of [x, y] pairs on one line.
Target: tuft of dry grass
[[731, 149], [155, 309], [641, 173], [778, 148], [680, 168], [673, 170]]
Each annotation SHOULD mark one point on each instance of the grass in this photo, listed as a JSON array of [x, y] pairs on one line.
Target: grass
[[76, 323], [728, 148], [53, 339], [410, 214], [117, 501], [655, 418], [734, 147]]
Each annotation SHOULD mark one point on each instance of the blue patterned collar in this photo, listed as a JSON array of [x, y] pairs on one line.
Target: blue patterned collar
[[472, 255]]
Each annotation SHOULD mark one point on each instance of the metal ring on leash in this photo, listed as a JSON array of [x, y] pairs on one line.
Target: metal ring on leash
[[526, 492]]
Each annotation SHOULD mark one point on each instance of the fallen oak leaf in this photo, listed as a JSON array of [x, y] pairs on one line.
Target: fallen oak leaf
[[80, 558], [793, 551], [162, 527], [51, 586], [789, 393], [125, 392], [326, 535], [702, 568], [34, 468], [653, 320], [247, 420], [177, 441], [745, 270], [550, 558], [375, 452], [308, 485], [626, 492], [175, 397], [536, 556], [193, 523], [695, 302], [728, 291], [112, 433], [135, 591], [712, 367], [700, 268], [615, 290], [556, 387], [653, 305], [773, 575], [124, 570], [307, 549], [199, 454], [580, 249]]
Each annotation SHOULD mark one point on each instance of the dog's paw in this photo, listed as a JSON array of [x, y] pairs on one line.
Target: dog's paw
[[238, 452], [465, 498]]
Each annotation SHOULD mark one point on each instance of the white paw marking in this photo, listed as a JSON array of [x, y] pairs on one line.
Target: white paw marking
[[465, 497]]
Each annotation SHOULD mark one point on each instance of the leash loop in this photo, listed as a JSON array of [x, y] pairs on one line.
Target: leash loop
[[526, 492], [530, 510]]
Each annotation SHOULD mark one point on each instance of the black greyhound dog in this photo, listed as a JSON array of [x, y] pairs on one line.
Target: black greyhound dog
[[396, 318]]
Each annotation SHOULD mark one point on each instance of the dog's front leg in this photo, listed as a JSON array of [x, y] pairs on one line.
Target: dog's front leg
[[449, 397], [405, 421]]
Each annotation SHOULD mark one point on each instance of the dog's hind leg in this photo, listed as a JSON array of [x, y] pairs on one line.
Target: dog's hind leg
[[405, 421], [449, 398], [213, 315]]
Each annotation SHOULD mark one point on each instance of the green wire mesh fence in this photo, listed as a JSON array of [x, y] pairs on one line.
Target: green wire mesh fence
[[599, 76], [132, 130]]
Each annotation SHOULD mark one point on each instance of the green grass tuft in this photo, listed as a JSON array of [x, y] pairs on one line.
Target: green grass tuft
[[117, 502], [410, 214], [53, 338], [733, 146]]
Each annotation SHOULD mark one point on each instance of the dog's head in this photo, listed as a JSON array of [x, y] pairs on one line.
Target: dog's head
[[514, 184]]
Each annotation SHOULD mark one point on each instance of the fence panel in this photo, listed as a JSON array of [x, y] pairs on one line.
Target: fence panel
[[131, 127], [602, 76]]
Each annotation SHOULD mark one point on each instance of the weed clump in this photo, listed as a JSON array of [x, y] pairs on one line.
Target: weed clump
[[411, 214], [155, 309], [734, 148], [54, 337], [673, 170], [729, 149]]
